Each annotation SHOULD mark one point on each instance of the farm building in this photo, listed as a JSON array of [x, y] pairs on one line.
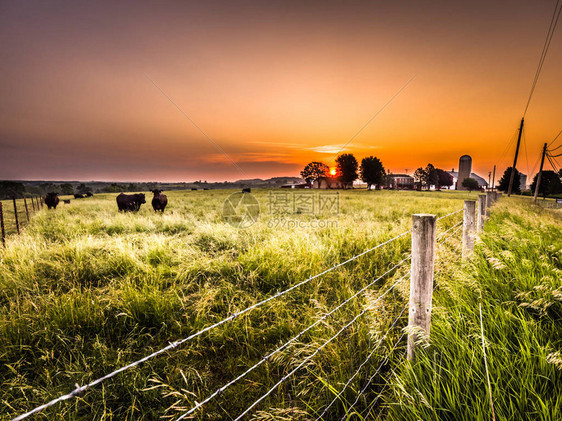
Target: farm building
[[327, 183], [481, 182], [399, 181]]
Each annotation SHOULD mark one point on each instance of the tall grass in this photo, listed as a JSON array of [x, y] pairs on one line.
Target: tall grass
[[516, 275], [85, 290]]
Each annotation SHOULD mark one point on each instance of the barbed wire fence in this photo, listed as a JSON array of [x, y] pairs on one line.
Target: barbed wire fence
[[15, 213], [442, 238]]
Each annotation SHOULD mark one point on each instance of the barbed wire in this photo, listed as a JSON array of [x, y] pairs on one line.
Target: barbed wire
[[284, 378], [79, 389], [286, 344], [372, 377], [449, 214], [362, 364], [459, 225]]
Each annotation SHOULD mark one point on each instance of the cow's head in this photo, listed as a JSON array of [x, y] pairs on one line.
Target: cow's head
[[52, 194], [140, 198], [156, 192]]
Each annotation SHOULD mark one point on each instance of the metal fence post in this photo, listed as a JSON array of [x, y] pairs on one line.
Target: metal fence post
[[481, 212], [2, 225], [26, 209], [16, 214], [421, 284], [468, 228]]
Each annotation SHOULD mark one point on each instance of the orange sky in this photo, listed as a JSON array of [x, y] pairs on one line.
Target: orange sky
[[276, 85]]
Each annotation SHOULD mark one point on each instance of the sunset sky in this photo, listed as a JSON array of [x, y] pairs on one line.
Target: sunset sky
[[273, 84]]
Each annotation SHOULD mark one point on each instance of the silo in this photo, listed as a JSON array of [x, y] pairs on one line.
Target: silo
[[465, 169]]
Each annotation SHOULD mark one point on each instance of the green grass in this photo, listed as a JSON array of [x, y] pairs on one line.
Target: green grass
[[516, 276], [85, 290]]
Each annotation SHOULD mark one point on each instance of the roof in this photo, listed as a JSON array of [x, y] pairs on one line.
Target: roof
[[399, 175], [481, 181]]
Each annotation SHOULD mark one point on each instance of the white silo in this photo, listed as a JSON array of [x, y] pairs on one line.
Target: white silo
[[465, 169]]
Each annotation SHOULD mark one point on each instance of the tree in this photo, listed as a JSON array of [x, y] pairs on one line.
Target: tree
[[83, 189], [66, 188], [550, 183], [372, 171], [420, 177], [432, 178], [444, 178], [470, 184], [314, 171], [504, 181], [346, 167], [9, 189]]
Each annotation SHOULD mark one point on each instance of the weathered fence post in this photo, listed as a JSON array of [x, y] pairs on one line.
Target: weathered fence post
[[16, 214], [2, 225], [481, 212], [421, 283], [26, 209], [468, 228], [489, 201]]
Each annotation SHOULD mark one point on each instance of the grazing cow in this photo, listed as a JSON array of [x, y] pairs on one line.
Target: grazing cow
[[159, 201], [130, 202], [52, 200], [66, 201], [89, 194], [78, 196], [194, 188], [246, 190]]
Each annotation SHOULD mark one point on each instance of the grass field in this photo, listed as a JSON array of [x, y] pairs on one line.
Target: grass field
[[85, 290]]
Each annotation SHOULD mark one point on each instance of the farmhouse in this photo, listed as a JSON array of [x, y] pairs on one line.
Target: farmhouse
[[399, 181]]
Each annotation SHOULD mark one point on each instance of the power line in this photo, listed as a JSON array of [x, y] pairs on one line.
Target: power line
[[550, 33], [554, 140]]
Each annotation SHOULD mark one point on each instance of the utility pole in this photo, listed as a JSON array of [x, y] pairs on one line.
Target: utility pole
[[494, 178], [540, 174], [515, 159]]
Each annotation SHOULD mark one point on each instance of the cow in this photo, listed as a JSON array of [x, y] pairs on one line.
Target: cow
[[66, 201], [130, 202], [194, 188], [246, 190], [89, 194], [78, 196], [159, 201], [52, 200]]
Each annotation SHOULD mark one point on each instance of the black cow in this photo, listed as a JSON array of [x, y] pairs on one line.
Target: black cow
[[78, 196], [89, 194], [66, 201], [130, 202], [52, 200], [159, 201], [246, 190], [194, 188]]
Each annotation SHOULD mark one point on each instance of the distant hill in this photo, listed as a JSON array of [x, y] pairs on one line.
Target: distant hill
[[40, 187]]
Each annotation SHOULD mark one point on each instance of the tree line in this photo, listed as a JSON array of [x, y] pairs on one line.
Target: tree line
[[372, 172]]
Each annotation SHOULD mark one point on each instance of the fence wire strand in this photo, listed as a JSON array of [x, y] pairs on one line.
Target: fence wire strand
[[286, 344], [284, 378], [372, 377], [79, 389], [363, 363]]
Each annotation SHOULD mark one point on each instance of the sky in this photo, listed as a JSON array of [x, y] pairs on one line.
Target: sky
[[228, 90]]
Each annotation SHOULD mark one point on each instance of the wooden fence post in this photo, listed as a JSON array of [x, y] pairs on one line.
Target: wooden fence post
[[26, 209], [468, 228], [16, 214], [489, 201], [421, 283], [2, 225], [481, 212]]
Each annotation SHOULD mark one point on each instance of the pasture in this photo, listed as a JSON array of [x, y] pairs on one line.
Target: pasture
[[85, 290]]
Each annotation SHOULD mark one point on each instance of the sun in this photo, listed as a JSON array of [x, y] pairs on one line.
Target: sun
[[333, 171]]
